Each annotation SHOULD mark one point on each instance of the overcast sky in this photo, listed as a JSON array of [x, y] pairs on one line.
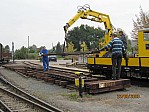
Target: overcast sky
[[43, 20]]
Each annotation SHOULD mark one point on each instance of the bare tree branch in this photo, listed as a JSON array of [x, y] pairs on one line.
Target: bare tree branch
[[142, 21]]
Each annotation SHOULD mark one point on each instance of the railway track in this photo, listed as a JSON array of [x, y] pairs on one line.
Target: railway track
[[66, 77], [134, 80], [13, 99], [68, 70]]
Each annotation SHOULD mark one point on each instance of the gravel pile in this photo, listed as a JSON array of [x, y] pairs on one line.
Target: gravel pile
[[69, 101]]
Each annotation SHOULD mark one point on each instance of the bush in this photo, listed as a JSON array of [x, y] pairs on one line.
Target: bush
[[67, 58], [32, 56]]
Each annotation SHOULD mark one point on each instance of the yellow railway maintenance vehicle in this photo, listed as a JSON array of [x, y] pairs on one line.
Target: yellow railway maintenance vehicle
[[136, 65]]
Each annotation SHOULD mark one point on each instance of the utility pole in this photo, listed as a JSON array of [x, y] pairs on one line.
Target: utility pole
[[52, 47], [28, 48], [13, 51], [83, 54]]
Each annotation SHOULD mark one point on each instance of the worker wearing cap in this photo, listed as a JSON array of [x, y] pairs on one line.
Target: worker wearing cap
[[123, 38], [118, 49], [45, 59]]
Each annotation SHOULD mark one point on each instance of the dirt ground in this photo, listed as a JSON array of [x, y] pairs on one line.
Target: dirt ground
[[69, 101]]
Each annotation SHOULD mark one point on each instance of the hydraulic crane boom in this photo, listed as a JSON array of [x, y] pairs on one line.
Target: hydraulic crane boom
[[86, 13]]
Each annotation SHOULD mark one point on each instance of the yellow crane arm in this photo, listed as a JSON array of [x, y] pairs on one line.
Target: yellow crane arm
[[73, 20], [93, 16]]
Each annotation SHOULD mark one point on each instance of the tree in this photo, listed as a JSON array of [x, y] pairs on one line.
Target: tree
[[58, 48], [6, 49], [84, 47], [142, 21], [52, 50], [87, 34], [39, 49], [70, 47], [21, 53], [32, 49]]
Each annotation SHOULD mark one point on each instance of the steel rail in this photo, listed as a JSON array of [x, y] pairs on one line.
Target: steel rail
[[26, 100], [68, 70], [28, 96], [4, 107], [134, 80]]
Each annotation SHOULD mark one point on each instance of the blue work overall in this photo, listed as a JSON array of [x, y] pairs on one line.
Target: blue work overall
[[45, 59]]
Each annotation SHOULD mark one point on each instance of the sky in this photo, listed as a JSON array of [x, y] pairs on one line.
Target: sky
[[43, 20]]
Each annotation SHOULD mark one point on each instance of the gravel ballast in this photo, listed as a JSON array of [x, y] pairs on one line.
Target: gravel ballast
[[69, 101]]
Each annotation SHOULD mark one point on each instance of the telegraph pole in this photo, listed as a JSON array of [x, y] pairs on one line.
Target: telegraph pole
[[28, 48], [52, 47], [13, 51]]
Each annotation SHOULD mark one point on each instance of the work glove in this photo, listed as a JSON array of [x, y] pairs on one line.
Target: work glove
[[43, 54], [39, 54]]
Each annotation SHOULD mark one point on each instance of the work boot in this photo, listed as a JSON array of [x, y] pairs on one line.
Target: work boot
[[118, 77], [113, 78]]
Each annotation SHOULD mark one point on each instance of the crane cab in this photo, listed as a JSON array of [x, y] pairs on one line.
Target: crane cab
[[143, 43]]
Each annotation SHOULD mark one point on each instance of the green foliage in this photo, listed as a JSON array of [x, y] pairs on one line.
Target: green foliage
[[88, 96], [72, 96], [129, 48], [70, 47], [32, 56], [53, 50], [58, 48], [6, 49], [21, 53], [84, 47], [87, 34], [32, 49], [67, 58]]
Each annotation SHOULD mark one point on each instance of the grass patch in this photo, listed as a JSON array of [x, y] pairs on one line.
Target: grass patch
[[71, 96], [87, 96], [76, 97]]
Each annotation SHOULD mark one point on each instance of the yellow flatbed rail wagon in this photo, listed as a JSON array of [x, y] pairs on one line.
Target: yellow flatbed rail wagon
[[136, 66]]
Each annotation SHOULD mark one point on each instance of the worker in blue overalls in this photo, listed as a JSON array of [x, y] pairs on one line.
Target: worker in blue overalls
[[45, 59]]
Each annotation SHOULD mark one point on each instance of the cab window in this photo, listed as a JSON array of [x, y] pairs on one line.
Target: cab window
[[146, 36]]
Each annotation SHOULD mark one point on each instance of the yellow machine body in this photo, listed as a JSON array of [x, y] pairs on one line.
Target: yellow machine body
[[97, 64], [143, 43], [138, 63]]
